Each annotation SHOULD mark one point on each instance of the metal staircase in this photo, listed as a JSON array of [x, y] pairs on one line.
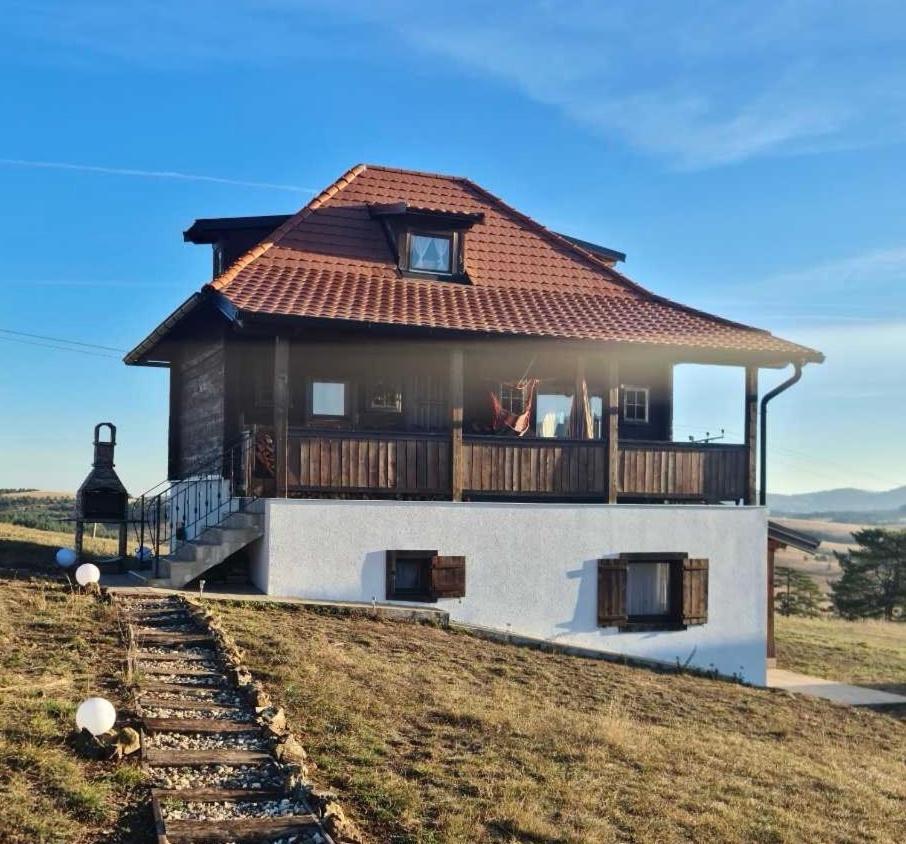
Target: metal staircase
[[185, 527]]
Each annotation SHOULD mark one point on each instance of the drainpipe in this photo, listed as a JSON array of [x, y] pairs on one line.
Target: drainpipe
[[763, 491]]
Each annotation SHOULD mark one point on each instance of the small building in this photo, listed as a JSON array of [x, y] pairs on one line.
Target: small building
[[414, 392]]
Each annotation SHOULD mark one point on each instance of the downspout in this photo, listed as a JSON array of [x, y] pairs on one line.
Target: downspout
[[763, 491]]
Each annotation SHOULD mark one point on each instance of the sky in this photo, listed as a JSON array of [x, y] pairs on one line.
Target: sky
[[748, 157]]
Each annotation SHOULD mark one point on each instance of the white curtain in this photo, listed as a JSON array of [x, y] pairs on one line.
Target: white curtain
[[647, 588]]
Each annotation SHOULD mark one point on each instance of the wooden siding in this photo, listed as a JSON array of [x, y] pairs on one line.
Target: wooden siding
[[556, 468], [383, 463], [678, 470], [200, 387]]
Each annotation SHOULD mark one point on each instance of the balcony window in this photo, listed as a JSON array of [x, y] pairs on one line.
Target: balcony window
[[328, 398], [635, 404], [431, 253], [385, 397], [553, 415], [512, 398]]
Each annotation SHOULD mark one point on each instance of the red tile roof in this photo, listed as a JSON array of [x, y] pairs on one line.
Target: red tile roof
[[332, 261]]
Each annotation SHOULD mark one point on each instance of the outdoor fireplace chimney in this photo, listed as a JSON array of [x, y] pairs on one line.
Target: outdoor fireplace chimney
[[102, 498]]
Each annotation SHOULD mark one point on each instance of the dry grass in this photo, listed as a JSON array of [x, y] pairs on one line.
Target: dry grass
[[868, 653], [27, 549], [434, 736], [58, 646]]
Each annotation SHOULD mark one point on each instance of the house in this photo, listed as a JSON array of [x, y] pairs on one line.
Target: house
[[414, 392]]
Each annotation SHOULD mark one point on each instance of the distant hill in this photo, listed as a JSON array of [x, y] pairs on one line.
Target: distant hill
[[844, 500]]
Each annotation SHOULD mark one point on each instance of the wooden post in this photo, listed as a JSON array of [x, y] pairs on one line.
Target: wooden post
[[456, 391], [613, 431], [578, 399], [751, 433], [281, 411]]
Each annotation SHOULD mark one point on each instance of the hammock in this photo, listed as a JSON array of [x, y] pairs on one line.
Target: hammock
[[502, 419]]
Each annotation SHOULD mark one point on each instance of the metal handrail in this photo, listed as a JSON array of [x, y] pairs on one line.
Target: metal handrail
[[176, 511]]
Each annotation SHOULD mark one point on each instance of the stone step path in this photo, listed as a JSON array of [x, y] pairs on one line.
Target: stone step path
[[214, 776]]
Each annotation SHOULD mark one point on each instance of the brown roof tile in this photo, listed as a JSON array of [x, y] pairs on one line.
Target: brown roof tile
[[332, 261]]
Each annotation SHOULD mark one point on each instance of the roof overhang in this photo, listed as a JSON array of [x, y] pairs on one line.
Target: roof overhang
[[212, 229], [144, 354], [787, 536]]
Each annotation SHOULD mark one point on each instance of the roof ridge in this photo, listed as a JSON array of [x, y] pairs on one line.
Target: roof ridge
[[260, 248], [410, 172], [598, 262]]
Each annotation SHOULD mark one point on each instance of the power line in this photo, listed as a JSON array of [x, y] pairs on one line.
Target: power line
[[59, 348], [61, 340]]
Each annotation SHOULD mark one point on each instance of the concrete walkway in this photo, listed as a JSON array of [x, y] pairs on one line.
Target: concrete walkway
[[779, 678]]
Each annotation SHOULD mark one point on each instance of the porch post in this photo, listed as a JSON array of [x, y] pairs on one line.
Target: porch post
[[578, 404], [281, 410], [456, 390], [613, 431], [751, 433]]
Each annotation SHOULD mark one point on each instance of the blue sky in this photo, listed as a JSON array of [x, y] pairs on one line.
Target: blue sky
[[748, 157]]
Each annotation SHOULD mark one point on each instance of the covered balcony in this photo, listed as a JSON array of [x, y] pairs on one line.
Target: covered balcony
[[481, 421]]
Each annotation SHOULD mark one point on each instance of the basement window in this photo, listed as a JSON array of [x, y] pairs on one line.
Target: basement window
[[424, 576], [385, 397], [661, 591]]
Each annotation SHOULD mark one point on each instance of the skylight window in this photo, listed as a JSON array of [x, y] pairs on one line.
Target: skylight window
[[430, 253]]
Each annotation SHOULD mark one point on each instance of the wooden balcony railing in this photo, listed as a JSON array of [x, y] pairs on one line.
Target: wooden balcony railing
[[558, 468], [414, 464], [699, 471], [365, 462]]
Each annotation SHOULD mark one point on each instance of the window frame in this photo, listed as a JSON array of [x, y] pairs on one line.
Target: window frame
[[423, 593], [347, 395], [455, 240], [388, 385], [646, 391], [673, 618], [508, 392]]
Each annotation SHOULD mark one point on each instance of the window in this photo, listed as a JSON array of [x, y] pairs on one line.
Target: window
[[431, 253], [553, 415], [662, 591], [328, 398], [648, 591], [512, 398], [386, 397], [635, 404], [424, 576]]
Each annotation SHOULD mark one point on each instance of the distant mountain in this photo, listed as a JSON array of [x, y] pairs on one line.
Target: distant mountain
[[836, 500]]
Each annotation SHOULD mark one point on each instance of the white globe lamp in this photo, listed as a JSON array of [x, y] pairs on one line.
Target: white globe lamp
[[143, 554], [87, 573], [95, 714], [65, 557]]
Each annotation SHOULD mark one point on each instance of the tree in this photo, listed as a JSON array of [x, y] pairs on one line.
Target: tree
[[796, 593], [873, 583]]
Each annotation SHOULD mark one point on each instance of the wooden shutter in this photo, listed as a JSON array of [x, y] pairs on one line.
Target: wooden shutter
[[448, 577], [695, 591], [611, 593]]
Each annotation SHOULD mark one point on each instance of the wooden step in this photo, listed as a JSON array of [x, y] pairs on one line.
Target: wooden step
[[147, 656], [180, 688], [219, 795], [153, 670], [167, 640], [197, 725], [174, 758], [239, 829], [174, 703]]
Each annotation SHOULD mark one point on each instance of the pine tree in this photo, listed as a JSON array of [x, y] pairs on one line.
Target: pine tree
[[796, 593], [873, 583]]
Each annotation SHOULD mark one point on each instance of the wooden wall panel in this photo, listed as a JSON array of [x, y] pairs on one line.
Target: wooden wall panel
[[200, 418]]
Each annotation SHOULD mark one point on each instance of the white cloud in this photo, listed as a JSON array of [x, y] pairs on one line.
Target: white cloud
[[698, 86]]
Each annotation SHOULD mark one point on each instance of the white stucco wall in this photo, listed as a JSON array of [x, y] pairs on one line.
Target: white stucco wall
[[532, 568]]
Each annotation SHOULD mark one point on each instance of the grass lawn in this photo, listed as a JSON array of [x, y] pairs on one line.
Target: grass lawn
[[58, 646], [868, 653], [432, 735]]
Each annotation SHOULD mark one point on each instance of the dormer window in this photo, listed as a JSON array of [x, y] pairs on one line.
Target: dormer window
[[427, 242], [431, 253]]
